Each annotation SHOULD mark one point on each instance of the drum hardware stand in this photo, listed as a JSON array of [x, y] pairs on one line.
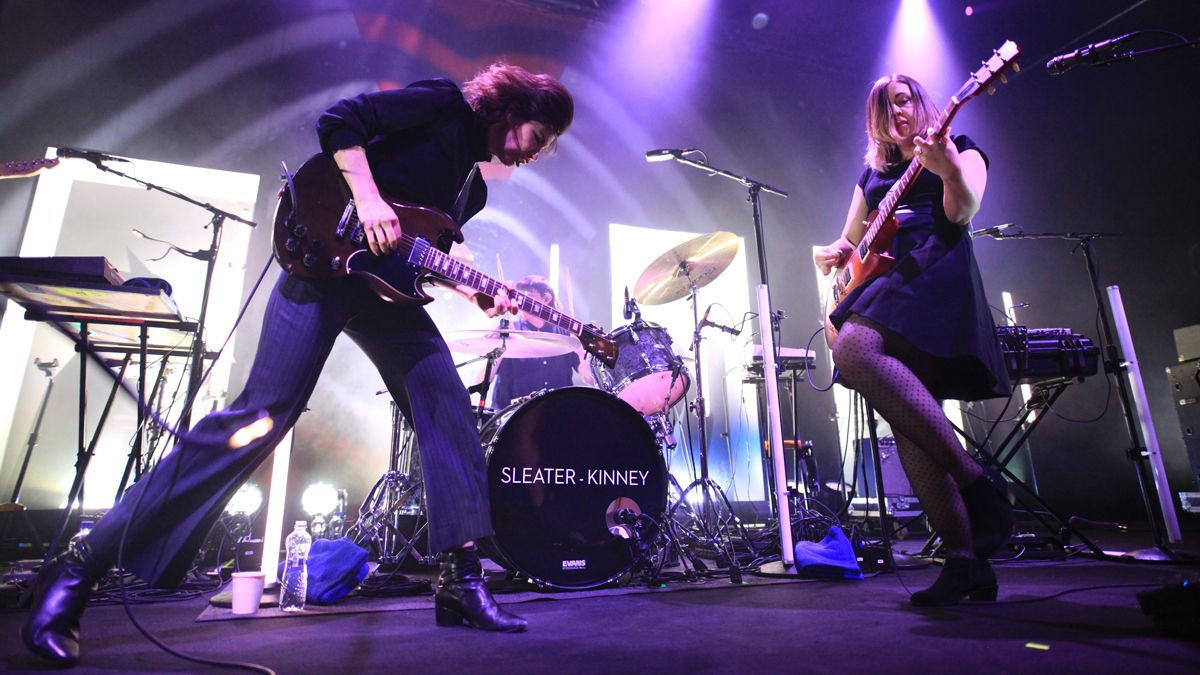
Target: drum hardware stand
[[1133, 403], [766, 319], [485, 384], [711, 527], [399, 492]]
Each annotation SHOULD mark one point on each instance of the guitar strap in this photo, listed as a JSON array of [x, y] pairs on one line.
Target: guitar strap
[[460, 203]]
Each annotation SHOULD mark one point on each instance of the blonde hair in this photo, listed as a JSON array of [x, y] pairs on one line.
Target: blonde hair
[[502, 89], [882, 150]]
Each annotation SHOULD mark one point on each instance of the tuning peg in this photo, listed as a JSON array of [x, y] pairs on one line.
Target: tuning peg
[[1003, 78], [1016, 67], [991, 90]]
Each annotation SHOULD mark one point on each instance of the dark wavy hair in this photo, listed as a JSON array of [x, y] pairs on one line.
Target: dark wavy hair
[[502, 89], [538, 283]]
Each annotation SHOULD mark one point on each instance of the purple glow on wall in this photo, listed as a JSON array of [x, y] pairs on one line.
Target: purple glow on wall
[[657, 47], [916, 47]]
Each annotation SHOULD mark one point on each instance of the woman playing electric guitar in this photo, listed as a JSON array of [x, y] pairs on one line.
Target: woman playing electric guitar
[[922, 330]]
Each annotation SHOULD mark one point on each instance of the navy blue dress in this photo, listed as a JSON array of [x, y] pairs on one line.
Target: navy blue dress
[[934, 296]]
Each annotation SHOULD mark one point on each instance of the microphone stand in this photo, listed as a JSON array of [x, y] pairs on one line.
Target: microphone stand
[[767, 321], [1154, 476], [209, 256]]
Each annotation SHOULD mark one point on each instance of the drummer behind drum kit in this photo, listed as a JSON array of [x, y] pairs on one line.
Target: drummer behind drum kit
[[577, 479]]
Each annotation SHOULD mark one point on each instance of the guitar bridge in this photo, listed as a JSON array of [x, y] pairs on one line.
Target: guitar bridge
[[349, 222]]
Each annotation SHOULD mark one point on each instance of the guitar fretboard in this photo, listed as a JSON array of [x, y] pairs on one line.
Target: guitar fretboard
[[887, 206], [432, 259]]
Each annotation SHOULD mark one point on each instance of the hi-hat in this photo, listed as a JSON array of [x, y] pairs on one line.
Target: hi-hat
[[692, 264], [518, 344]]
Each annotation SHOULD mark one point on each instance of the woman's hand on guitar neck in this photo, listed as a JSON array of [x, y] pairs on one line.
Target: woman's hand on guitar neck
[[833, 255], [938, 155]]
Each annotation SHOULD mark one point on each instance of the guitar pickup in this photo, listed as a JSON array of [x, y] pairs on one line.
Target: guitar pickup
[[417, 254]]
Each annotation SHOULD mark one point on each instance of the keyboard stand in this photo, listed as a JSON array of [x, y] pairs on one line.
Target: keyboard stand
[[1043, 399]]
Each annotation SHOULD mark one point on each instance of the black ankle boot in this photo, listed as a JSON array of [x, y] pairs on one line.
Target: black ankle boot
[[990, 514], [59, 597], [462, 595], [960, 578]]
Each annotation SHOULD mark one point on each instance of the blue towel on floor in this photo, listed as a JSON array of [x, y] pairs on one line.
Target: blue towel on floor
[[831, 558], [335, 567]]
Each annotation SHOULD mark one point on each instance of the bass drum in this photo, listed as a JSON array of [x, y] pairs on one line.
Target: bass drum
[[560, 464]]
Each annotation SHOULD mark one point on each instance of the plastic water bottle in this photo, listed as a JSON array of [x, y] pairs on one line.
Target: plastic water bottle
[[295, 571]]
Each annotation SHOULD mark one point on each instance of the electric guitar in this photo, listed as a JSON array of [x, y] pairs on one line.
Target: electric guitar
[[872, 256], [318, 236]]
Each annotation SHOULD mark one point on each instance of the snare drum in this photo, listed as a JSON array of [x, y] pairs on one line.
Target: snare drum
[[648, 375], [559, 464]]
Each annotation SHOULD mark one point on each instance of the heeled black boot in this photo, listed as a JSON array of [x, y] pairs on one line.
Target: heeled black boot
[[960, 578], [59, 597], [462, 595], [990, 514]]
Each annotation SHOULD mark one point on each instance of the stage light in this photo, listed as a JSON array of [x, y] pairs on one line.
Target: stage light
[[319, 499], [657, 47], [251, 432], [969, 11], [917, 47], [760, 21], [248, 500]]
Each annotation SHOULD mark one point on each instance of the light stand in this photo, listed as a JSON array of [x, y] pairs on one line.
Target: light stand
[[766, 328], [1134, 411], [49, 369]]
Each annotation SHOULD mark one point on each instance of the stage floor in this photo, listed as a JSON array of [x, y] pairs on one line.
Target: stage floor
[[1067, 616]]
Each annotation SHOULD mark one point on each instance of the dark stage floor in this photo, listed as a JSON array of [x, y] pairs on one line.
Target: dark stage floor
[[1078, 615]]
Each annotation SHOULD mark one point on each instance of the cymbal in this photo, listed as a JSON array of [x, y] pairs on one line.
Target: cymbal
[[518, 344], [695, 262]]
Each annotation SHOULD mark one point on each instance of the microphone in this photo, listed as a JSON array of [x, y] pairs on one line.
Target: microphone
[[993, 232], [1095, 54], [627, 312], [90, 155], [625, 516], [664, 154], [723, 328]]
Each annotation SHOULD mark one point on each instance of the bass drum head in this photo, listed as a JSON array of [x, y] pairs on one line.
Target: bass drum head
[[558, 465]]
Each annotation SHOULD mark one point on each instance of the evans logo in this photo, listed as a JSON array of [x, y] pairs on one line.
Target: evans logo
[[574, 564]]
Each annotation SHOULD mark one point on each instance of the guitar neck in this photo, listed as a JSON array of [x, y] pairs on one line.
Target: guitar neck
[[887, 206], [432, 259]]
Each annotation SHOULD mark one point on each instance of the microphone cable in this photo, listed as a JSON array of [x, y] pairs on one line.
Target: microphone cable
[[234, 665]]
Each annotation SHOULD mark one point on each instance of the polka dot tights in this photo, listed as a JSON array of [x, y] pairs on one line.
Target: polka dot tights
[[888, 373]]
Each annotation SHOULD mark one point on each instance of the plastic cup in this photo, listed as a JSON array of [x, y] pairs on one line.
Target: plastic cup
[[247, 591]]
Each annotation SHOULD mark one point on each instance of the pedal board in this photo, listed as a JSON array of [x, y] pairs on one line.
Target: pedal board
[[1036, 546]]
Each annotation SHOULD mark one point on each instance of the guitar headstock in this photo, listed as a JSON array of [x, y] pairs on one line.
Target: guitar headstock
[[26, 169], [992, 69], [599, 345]]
